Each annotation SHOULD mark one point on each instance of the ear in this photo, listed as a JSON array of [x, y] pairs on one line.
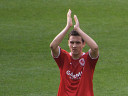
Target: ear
[[68, 42], [84, 44]]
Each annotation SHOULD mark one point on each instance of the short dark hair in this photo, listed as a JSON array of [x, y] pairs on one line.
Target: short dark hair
[[74, 33]]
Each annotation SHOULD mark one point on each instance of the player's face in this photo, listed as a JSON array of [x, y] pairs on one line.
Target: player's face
[[76, 45]]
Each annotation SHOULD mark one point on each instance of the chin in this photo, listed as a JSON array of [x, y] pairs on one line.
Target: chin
[[74, 53]]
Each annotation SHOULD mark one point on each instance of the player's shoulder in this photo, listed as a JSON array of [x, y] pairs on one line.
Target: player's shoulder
[[88, 55], [84, 54], [64, 52]]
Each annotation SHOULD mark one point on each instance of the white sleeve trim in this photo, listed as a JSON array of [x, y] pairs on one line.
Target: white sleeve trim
[[58, 54], [92, 57]]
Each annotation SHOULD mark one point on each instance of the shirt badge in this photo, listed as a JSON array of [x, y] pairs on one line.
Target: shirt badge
[[82, 62]]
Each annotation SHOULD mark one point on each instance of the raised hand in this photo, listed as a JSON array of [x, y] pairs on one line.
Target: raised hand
[[69, 19], [76, 26]]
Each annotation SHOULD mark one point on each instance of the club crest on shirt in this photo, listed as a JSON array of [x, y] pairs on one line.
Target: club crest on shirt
[[82, 62]]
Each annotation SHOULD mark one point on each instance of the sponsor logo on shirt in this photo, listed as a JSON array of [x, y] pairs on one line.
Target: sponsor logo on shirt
[[82, 62], [73, 76]]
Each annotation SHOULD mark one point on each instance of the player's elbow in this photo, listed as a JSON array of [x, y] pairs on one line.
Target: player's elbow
[[52, 46], [96, 48]]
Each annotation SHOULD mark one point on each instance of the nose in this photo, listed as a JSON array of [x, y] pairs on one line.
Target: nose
[[74, 45]]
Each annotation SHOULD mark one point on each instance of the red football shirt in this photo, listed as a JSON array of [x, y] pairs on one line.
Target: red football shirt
[[75, 75]]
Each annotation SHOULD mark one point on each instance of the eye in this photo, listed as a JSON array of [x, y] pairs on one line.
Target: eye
[[78, 42], [71, 42]]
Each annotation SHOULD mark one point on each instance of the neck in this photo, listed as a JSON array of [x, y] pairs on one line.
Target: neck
[[76, 56]]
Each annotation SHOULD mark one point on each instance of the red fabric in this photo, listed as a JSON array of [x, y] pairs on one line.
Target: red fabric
[[75, 75]]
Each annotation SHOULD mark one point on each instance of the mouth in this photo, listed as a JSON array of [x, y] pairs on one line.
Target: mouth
[[74, 49]]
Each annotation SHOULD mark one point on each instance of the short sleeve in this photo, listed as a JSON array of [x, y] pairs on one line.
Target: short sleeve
[[58, 54], [90, 55], [92, 61], [60, 58]]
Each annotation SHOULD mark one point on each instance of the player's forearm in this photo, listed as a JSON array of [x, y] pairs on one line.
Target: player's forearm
[[57, 40], [90, 42]]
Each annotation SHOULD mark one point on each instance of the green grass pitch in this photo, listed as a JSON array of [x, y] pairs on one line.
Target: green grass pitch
[[28, 26]]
